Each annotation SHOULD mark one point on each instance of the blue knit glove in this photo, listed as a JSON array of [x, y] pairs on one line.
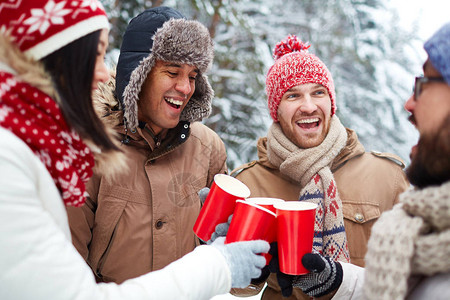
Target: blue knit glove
[[243, 259], [325, 277], [220, 230], [202, 194]]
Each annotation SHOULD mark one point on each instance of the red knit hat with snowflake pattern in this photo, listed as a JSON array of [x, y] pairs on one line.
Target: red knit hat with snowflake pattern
[[294, 66], [40, 27]]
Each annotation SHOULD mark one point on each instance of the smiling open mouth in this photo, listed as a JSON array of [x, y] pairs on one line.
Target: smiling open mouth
[[174, 103], [308, 123]]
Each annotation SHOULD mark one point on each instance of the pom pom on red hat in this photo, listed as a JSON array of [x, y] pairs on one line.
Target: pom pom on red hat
[[291, 44], [40, 27], [295, 66]]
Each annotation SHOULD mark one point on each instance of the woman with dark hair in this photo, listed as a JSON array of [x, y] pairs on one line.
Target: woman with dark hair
[[51, 59], [66, 65]]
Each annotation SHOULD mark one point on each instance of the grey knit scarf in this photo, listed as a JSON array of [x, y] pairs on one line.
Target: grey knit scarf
[[311, 169], [411, 239]]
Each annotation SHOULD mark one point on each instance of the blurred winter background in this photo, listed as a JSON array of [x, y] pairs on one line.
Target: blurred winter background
[[373, 49]]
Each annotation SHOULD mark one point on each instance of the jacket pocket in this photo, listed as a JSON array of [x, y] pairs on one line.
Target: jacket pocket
[[360, 212], [102, 260], [359, 218], [183, 188]]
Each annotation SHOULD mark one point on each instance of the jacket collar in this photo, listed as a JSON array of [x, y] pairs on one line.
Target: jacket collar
[[158, 145], [353, 149]]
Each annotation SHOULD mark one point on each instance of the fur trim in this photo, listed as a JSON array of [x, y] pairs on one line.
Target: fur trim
[[33, 72], [106, 104], [26, 68], [184, 42], [107, 108], [199, 106]]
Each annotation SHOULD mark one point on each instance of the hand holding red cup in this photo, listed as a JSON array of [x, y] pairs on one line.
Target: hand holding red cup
[[295, 233], [219, 204], [268, 203], [251, 222]]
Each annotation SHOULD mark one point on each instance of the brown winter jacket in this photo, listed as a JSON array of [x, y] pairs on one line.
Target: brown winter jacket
[[368, 184], [142, 219]]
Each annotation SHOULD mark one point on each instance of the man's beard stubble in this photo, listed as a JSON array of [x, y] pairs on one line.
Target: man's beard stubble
[[431, 163]]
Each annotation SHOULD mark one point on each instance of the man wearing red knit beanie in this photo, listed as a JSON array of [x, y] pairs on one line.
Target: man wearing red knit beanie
[[308, 155]]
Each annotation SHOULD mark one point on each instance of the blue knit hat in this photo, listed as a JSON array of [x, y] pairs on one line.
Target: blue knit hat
[[438, 50]]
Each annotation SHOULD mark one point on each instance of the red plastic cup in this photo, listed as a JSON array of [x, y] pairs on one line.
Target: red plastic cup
[[219, 204], [268, 203], [295, 233], [251, 222], [265, 202]]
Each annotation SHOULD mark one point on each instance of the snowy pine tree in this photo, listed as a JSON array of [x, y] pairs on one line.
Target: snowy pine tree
[[370, 57]]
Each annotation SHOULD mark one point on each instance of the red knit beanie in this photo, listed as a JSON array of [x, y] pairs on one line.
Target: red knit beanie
[[40, 27], [294, 66]]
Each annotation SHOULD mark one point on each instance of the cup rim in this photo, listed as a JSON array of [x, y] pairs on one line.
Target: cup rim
[[265, 200], [219, 178], [295, 205], [257, 206]]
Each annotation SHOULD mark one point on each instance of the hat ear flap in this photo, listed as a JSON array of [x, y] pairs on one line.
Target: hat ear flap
[[199, 106], [133, 88]]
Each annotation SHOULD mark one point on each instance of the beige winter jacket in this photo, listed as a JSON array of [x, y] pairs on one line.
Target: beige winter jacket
[[141, 220], [368, 184]]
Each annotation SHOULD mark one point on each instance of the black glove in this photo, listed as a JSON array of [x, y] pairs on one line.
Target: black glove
[[284, 280], [261, 279], [265, 272], [325, 277]]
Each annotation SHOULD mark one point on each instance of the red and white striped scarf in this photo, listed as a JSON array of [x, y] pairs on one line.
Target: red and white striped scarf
[[36, 119]]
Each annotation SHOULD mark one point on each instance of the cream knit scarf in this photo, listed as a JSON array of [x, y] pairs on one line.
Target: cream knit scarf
[[411, 239], [311, 169]]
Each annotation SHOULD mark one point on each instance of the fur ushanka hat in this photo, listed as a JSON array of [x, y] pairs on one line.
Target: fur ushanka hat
[[163, 33]]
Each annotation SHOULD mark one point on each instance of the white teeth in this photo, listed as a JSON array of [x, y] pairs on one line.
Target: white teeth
[[173, 101], [304, 121]]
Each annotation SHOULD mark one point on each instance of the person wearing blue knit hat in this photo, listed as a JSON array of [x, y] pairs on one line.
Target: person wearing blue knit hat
[[409, 247]]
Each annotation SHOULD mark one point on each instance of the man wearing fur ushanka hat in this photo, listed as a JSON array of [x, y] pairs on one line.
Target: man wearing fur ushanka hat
[[308, 155], [143, 219]]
